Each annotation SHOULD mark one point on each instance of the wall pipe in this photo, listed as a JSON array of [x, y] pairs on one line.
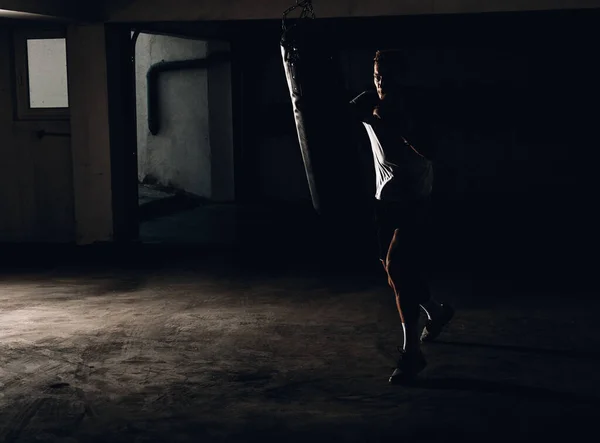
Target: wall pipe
[[160, 67], [43, 133]]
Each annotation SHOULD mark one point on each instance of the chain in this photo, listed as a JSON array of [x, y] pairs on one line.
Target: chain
[[307, 10]]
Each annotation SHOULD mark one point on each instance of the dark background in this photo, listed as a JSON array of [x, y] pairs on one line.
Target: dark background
[[516, 95], [517, 98]]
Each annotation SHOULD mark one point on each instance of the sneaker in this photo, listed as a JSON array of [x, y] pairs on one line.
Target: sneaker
[[407, 368], [434, 327]]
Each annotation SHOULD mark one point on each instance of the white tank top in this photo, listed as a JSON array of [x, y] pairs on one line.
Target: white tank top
[[401, 173]]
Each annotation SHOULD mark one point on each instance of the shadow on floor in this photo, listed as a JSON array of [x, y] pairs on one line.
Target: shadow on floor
[[583, 355], [505, 388], [167, 206]]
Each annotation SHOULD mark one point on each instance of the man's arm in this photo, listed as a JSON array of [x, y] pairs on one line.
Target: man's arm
[[361, 107], [421, 136], [420, 129]]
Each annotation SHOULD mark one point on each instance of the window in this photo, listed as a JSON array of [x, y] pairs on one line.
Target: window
[[41, 74]]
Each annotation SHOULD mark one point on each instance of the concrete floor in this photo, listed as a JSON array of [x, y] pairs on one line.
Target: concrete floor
[[214, 351], [180, 219], [204, 225], [148, 194]]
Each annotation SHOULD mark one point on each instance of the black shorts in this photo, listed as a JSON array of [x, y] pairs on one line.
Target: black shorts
[[413, 222]]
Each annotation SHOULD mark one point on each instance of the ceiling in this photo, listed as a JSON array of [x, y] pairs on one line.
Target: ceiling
[[136, 11], [71, 10]]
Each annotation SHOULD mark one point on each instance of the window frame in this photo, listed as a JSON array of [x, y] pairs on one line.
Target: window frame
[[24, 111]]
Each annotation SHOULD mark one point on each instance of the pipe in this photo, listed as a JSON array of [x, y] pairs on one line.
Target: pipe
[[43, 133], [158, 68]]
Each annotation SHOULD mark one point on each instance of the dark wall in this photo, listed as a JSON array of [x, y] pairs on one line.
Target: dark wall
[[516, 97]]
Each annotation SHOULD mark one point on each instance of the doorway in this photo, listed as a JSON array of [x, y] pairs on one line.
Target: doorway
[[184, 134]]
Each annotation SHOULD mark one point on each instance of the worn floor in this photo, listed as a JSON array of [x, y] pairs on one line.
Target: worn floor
[[167, 217], [211, 352]]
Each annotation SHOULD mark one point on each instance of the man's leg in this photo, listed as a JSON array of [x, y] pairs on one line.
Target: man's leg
[[431, 308], [407, 289], [438, 314]]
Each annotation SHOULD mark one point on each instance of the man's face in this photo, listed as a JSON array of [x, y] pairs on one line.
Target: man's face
[[384, 80]]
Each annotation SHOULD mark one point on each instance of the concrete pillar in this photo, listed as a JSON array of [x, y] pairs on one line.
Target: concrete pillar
[[90, 137]]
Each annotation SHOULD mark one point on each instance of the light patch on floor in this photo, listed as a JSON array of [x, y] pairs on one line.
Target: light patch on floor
[[188, 355]]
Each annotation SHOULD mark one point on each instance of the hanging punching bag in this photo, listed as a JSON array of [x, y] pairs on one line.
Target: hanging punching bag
[[321, 114]]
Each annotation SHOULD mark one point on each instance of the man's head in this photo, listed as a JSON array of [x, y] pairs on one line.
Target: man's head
[[388, 68]]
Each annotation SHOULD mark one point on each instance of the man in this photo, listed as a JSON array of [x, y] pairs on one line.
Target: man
[[402, 148]]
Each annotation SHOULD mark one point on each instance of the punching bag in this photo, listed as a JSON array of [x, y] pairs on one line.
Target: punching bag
[[321, 113]]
